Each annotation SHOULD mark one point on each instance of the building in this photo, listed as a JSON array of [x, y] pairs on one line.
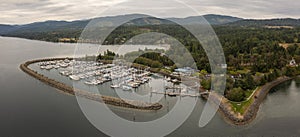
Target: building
[[293, 63], [185, 71]]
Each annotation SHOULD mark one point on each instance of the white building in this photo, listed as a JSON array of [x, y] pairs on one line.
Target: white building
[[293, 63]]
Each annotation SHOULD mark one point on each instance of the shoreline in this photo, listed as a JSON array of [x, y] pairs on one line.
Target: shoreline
[[231, 117], [138, 105], [225, 108]]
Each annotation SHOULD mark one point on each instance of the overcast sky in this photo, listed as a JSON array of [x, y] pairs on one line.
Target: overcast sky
[[28, 11]]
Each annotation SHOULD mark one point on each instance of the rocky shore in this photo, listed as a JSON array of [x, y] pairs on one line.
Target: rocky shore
[[96, 97], [225, 108]]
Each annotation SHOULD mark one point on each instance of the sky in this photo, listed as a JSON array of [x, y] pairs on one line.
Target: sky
[[28, 11]]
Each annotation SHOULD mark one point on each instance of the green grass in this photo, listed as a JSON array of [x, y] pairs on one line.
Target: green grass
[[241, 107], [166, 71], [245, 71], [249, 93]]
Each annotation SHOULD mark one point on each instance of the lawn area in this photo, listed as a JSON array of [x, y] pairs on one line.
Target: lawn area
[[248, 93], [242, 106], [166, 71]]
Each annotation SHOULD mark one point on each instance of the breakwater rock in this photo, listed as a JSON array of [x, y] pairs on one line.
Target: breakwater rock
[[225, 108], [96, 97]]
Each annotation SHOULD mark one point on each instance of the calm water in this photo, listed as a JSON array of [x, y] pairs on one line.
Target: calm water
[[30, 108]]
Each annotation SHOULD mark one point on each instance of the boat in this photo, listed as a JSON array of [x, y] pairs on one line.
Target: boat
[[133, 85], [56, 66], [43, 67], [114, 86], [93, 82], [99, 82], [146, 79], [175, 81], [82, 76], [172, 94], [88, 83], [65, 73], [63, 65], [184, 90], [168, 79], [126, 88], [67, 61], [74, 77], [49, 67]]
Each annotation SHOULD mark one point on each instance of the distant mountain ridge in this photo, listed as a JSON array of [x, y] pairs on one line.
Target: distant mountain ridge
[[7, 28], [212, 19], [71, 27], [109, 21], [267, 22]]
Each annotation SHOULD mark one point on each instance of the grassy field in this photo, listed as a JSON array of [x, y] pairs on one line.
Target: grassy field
[[241, 107]]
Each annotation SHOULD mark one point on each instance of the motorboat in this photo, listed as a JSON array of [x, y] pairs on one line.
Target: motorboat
[[74, 77], [172, 94], [168, 79], [114, 86], [49, 67], [56, 66], [126, 88]]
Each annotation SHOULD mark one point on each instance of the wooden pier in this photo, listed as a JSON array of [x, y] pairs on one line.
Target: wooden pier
[[180, 94]]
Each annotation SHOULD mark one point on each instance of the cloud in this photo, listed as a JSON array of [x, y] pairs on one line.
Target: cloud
[[27, 11], [258, 9]]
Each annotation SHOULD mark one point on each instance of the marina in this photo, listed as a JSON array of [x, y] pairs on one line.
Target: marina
[[96, 73], [81, 93], [119, 75]]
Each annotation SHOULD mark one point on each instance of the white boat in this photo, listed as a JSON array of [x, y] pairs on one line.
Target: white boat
[[175, 81], [49, 67], [115, 86], [88, 83], [63, 65], [65, 73], [92, 82], [82, 76], [56, 66], [126, 88], [133, 85], [106, 76], [168, 79], [67, 61], [184, 90], [74, 77]]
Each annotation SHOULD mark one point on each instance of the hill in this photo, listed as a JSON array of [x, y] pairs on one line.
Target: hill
[[211, 19], [268, 22], [47, 26], [54, 30]]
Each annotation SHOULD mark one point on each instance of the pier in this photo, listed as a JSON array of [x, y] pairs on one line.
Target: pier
[[179, 92]]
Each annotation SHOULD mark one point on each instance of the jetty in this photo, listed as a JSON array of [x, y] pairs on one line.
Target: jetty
[[92, 96], [179, 91]]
